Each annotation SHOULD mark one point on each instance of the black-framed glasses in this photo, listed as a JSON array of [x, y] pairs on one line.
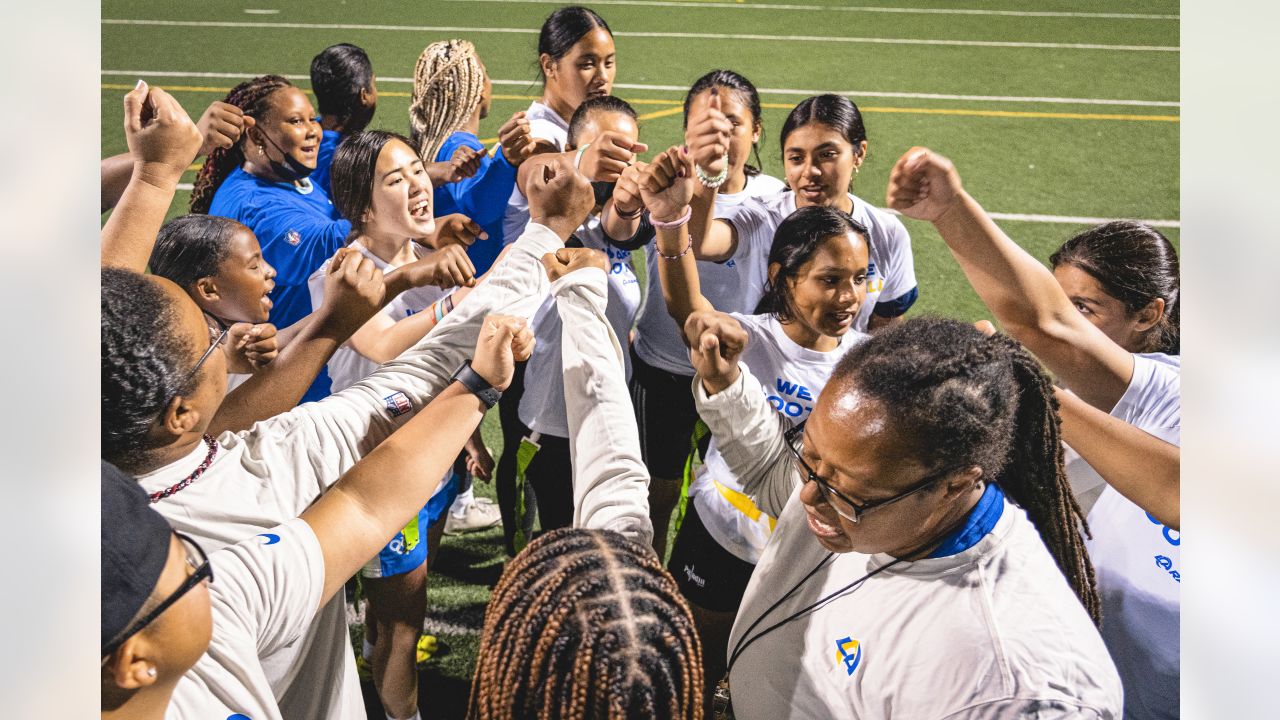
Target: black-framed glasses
[[201, 570], [216, 337], [846, 507]]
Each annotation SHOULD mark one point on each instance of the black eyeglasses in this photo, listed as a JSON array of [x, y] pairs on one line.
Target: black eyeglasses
[[847, 508], [202, 571], [216, 337]]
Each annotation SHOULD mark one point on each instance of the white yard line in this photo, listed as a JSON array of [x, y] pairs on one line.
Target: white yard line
[[665, 35], [681, 88], [856, 9], [1020, 217]]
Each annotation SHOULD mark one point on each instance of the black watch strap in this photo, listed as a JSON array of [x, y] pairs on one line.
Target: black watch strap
[[476, 385]]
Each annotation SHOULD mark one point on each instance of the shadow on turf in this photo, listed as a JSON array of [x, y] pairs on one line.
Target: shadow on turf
[[445, 697]]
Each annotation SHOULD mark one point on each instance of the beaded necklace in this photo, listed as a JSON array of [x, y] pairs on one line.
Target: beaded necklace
[[195, 475]]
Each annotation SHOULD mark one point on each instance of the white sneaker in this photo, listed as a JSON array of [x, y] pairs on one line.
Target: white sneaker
[[479, 514]]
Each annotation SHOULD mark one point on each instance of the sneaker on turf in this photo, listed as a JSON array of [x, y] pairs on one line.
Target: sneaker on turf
[[479, 514]]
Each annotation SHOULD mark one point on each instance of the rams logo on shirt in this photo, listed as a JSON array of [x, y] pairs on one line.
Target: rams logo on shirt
[[848, 651]]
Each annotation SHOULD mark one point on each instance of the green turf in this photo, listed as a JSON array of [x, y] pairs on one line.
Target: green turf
[[1031, 165]]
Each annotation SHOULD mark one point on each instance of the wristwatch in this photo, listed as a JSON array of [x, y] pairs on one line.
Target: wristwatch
[[476, 385]]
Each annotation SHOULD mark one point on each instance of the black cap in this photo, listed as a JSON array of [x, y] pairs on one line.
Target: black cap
[[135, 548]]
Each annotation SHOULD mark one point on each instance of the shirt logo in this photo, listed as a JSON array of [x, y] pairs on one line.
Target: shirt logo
[[398, 404], [693, 576], [848, 651], [293, 238], [269, 538]]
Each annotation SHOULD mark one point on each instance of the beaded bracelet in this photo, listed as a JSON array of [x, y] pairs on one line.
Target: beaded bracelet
[[688, 246], [709, 181], [672, 224]]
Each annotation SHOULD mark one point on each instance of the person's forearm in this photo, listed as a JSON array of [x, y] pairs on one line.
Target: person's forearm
[[402, 335], [374, 499], [280, 385], [710, 241], [681, 286], [129, 235], [616, 226], [610, 481], [116, 171], [1139, 466]]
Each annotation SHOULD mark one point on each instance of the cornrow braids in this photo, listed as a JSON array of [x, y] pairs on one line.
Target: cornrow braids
[[448, 84], [251, 97], [587, 625], [962, 399]]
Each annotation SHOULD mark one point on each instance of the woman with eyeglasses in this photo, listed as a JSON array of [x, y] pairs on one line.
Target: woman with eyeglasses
[[1105, 321], [801, 327], [174, 647], [928, 559]]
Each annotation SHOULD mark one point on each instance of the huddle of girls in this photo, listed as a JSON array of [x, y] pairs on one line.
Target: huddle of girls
[[773, 310]]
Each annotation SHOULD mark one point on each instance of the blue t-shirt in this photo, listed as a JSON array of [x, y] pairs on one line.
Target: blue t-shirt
[[298, 230], [324, 158], [481, 197]]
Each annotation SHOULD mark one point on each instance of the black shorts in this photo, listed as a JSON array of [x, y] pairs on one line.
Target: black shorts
[[665, 416], [708, 575]]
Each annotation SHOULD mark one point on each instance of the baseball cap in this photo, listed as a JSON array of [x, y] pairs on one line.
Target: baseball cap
[[135, 548]]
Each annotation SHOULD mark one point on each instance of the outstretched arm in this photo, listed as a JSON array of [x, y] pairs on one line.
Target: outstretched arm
[[1141, 467], [1021, 292], [374, 499], [610, 481], [667, 187]]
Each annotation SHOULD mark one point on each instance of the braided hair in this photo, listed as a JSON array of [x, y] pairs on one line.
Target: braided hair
[[962, 399], [251, 97], [448, 84], [586, 624]]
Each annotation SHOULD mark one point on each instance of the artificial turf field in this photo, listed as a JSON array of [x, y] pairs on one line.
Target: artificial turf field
[[1056, 112]]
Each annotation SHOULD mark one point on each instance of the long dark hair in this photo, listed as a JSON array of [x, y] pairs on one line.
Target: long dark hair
[[1134, 264], [794, 242], [747, 95], [835, 111], [252, 98], [191, 247], [587, 624], [354, 170], [961, 399], [564, 28]]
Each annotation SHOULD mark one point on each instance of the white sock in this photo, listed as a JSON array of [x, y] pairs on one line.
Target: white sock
[[417, 715], [459, 507]]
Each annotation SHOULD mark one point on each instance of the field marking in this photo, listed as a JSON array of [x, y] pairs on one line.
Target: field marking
[[662, 35], [683, 88], [1019, 217], [740, 5], [677, 107]]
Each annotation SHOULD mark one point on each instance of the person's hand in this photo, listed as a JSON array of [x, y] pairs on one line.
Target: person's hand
[[353, 291], [221, 126], [251, 347], [445, 268], [667, 185], [504, 340], [162, 139], [626, 194], [707, 136], [455, 229], [479, 462], [464, 163], [716, 341], [567, 260], [924, 185], [608, 155], [559, 197], [516, 138]]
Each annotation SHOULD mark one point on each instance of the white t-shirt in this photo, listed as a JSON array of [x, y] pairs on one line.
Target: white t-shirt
[[264, 594], [544, 124], [269, 474], [791, 377], [1136, 558], [542, 408], [993, 632], [891, 275], [347, 367], [658, 339]]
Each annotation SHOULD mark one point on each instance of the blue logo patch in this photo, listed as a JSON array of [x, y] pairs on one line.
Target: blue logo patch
[[398, 404], [848, 651], [269, 538]]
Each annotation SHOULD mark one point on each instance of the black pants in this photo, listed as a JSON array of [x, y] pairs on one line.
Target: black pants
[[505, 477], [551, 474]]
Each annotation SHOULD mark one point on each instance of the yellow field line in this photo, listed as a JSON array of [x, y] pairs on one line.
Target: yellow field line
[[778, 106]]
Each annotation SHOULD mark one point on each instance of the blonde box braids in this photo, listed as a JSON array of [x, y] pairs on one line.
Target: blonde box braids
[[448, 83]]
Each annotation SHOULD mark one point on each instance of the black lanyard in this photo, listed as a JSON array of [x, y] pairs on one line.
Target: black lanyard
[[744, 642]]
